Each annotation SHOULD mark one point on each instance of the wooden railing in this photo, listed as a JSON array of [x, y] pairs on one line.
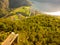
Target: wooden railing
[[10, 39]]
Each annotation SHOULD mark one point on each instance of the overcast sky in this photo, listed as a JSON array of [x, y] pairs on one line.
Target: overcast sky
[[46, 5]]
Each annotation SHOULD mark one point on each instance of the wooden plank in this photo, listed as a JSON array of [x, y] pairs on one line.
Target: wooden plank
[[10, 39], [13, 39]]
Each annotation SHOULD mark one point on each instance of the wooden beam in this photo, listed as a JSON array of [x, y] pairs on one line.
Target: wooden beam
[[10, 39]]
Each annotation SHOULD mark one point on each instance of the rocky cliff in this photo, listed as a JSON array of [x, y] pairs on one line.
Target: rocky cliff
[[18, 3]]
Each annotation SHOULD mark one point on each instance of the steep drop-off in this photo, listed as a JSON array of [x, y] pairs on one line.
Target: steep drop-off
[[18, 3]]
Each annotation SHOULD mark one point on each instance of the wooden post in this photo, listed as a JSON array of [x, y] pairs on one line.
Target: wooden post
[[10, 39]]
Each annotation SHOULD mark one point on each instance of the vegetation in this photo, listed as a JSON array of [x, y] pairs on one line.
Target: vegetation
[[25, 11], [35, 30], [39, 29]]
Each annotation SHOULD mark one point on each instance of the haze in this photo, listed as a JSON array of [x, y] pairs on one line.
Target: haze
[[46, 5]]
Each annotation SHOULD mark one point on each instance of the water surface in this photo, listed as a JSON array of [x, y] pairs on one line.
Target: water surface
[[46, 5]]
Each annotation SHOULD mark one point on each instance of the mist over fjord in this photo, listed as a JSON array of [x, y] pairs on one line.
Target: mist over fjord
[[46, 5]]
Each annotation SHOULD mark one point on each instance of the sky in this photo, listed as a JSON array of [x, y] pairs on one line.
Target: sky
[[46, 5]]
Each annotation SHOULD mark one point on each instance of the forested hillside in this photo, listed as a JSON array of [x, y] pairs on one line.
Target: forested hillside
[[35, 30]]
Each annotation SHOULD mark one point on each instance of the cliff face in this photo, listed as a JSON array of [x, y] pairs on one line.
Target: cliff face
[[4, 4], [18, 3]]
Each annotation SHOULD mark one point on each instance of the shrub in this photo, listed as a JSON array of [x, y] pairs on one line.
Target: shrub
[[35, 30]]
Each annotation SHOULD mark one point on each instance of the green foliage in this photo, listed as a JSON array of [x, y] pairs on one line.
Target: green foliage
[[40, 29], [24, 10], [35, 30], [3, 36], [3, 12]]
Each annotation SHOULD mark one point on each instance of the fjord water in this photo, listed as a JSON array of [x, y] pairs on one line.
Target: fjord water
[[46, 5]]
